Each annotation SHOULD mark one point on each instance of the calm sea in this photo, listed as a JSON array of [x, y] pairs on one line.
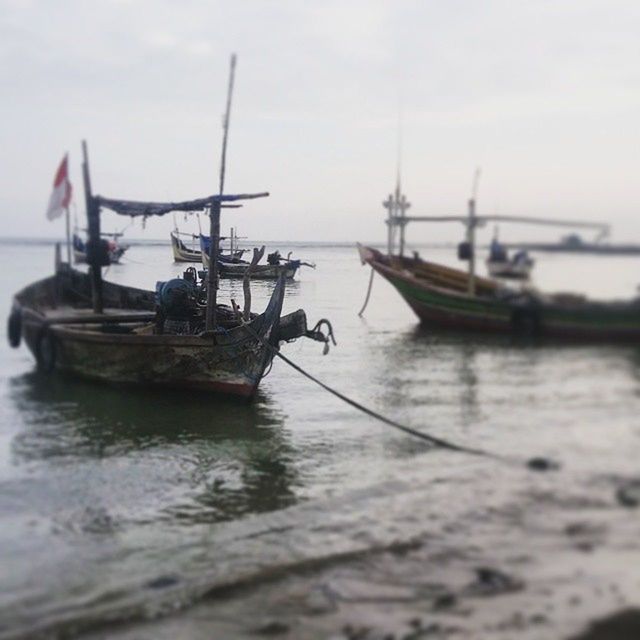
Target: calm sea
[[152, 514]]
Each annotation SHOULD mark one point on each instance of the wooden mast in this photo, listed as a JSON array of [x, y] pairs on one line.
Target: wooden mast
[[471, 234], [396, 205], [214, 215], [388, 204], [471, 239], [93, 224], [402, 206]]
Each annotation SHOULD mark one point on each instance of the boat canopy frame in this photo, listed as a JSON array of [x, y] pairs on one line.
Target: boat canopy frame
[[398, 205]]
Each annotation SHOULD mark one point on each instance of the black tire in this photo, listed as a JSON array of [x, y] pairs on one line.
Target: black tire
[[46, 351], [525, 322], [14, 328]]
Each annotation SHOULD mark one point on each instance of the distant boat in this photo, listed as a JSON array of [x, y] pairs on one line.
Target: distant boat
[[182, 253], [115, 250], [573, 243], [233, 255], [463, 301], [440, 297], [501, 265], [276, 266]]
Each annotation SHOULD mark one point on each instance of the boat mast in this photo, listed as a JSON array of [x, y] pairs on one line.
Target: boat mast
[[214, 214], [388, 204], [93, 244], [471, 234], [402, 206], [396, 204]]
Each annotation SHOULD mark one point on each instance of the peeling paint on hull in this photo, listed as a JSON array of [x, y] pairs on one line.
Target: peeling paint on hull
[[231, 361]]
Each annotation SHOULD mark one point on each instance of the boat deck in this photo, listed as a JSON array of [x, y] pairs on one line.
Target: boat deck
[[67, 311]]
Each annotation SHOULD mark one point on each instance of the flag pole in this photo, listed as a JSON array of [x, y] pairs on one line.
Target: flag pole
[[66, 213]]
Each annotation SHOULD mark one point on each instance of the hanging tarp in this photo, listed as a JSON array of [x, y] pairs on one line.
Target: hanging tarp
[[134, 208]]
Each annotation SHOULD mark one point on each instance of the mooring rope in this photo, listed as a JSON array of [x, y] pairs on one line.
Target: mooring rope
[[438, 442], [533, 464], [366, 300], [433, 440]]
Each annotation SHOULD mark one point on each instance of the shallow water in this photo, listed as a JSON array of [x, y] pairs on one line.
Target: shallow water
[[117, 506]]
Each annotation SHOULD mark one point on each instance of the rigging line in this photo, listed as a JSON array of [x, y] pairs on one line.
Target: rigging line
[[366, 300], [433, 440]]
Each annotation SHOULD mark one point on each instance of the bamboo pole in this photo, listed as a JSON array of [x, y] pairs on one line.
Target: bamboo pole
[[68, 226], [471, 239], [551, 222], [214, 214], [212, 277]]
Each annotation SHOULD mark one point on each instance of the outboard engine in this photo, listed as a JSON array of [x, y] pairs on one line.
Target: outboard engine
[[177, 305]]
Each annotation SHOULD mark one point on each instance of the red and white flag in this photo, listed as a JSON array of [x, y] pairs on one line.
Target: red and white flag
[[61, 194]]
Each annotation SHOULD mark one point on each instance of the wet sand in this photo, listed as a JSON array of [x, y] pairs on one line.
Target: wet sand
[[496, 572]]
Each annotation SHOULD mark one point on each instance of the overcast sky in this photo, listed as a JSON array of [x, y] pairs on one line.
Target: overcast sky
[[544, 95]]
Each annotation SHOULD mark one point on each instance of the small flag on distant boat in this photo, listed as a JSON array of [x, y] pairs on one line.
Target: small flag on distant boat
[[61, 194]]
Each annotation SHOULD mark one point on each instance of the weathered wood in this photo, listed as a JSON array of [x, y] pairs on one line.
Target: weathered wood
[[214, 214], [471, 239], [101, 319], [227, 116], [232, 362], [212, 275], [246, 285]]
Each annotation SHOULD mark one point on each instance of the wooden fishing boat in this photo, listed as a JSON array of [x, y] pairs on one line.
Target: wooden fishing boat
[[128, 342], [115, 250], [179, 337], [461, 300], [182, 253], [510, 267], [260, 271], [238, 269], [516, 268], [276, 266], [440, 297]]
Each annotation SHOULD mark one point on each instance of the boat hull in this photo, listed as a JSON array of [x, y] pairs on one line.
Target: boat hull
[[260, 271], [235, 367], [80, 257], [497, 310], [181, 253], [231, 362]]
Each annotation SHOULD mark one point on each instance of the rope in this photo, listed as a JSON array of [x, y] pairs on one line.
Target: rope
[[366, 300], [433, 440]]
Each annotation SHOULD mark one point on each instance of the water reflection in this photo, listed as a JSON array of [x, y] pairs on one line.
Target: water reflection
[[261, 291], [422, 369], [209, 459]]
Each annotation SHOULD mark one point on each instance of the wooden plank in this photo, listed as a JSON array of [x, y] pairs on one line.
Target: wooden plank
[[101, 318]]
